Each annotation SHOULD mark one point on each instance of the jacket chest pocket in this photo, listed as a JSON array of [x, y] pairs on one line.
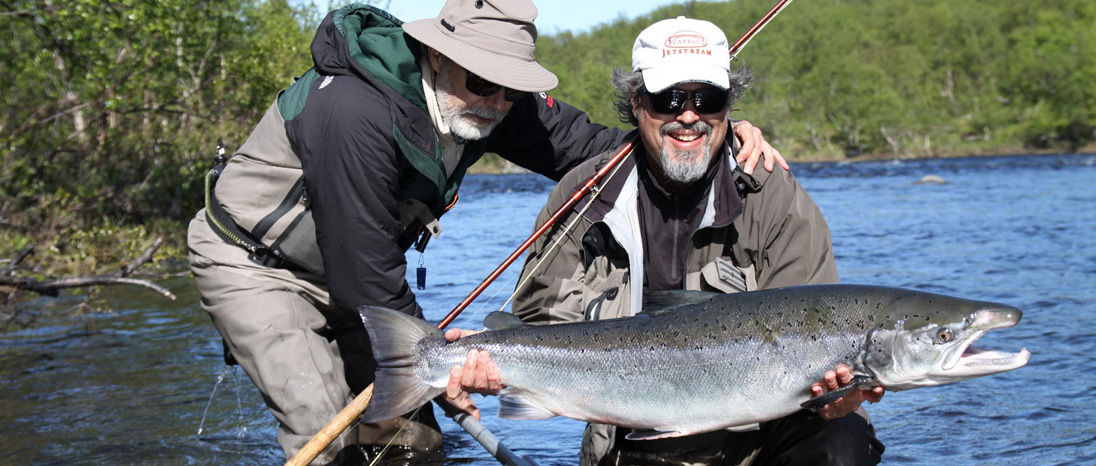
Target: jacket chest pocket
[[724, 276]]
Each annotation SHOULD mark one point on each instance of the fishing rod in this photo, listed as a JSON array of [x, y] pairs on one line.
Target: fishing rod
[[357, 406], [757, 27], [577, 196]]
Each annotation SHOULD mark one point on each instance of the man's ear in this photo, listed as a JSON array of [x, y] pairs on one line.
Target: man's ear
[[635, 105], [435, 59]]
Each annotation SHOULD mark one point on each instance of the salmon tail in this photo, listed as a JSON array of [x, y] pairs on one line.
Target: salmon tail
[[397, 389]]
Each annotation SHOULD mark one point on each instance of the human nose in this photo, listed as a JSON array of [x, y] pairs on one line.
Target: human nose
[[688, 114]]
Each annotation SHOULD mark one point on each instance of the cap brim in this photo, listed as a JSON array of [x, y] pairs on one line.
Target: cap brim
[[513, 73], [661, 78]]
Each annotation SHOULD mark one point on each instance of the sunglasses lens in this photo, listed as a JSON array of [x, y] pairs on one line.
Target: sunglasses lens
[[669, 101], [480, 86], [512, 95], [485, 88], [710, 100]]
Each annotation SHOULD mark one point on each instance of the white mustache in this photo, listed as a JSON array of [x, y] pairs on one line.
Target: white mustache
[[484, 112]]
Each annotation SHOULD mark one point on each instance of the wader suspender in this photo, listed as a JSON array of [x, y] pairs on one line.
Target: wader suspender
[[225, 227], [296, 246]]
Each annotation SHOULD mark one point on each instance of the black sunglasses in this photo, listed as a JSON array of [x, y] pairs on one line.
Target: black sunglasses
[[485, 88], [672, 101]]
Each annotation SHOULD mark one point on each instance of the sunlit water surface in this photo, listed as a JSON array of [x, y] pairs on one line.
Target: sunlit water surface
[[131, 386]]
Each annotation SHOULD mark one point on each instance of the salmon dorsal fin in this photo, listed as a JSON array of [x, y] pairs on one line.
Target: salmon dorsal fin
[[662, 302], [499, 320]]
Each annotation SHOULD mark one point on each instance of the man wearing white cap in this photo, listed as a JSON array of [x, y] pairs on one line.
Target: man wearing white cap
[[351, 166], [682, 214]]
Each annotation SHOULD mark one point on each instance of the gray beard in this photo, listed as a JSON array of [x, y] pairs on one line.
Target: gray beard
[[455, 115], [686, 171]]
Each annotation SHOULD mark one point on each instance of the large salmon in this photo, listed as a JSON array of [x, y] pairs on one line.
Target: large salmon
[[709, 361]]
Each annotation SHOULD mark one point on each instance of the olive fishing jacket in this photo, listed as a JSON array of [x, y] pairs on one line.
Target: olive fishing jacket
[[758, 232], [345, 170]]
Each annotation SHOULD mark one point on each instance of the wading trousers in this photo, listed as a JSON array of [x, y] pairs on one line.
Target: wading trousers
[[800, 439], [297, 350]]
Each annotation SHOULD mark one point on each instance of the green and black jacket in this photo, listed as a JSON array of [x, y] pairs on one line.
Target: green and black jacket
[[357, 127]]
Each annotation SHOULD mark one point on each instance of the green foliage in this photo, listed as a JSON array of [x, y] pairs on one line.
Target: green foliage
[[838, 78], [113, 107]]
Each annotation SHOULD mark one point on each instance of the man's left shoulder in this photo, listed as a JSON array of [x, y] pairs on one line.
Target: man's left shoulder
[[761, 179]]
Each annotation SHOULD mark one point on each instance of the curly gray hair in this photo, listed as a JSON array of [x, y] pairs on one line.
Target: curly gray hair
[[630, 83]]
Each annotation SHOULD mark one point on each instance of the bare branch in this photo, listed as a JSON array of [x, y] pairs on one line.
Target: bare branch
[[144, 258], [53, 287], [14, 262]]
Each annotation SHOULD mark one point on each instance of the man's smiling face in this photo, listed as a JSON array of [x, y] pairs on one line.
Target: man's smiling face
[[679, 146]]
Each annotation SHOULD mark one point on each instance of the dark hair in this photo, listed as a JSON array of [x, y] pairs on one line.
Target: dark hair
[[629, 83]]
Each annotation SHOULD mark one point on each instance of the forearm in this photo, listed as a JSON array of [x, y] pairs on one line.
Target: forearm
[[550, 137]]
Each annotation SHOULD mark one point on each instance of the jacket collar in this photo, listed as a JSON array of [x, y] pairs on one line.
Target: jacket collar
[[725, 200]]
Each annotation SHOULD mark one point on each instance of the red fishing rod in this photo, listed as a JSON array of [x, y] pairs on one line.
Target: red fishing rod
[[757, 27], [357, 406], [577, 196]]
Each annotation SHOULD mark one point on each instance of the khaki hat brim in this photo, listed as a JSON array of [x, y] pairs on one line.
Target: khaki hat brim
[[518, 73]]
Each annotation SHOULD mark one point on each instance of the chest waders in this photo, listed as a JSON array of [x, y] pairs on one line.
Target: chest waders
[[223, 224]]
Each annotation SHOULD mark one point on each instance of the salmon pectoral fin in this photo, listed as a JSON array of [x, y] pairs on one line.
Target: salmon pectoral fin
[[814, 404], [653, 434], [514, 406]]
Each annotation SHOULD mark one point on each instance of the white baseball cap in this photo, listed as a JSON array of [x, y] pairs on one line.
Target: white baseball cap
[[682, 50]]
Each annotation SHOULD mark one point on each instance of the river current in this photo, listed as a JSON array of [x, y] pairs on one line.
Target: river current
[[134, 384]]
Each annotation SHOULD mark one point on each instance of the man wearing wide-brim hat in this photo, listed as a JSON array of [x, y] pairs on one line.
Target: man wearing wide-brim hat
[[353, 165]]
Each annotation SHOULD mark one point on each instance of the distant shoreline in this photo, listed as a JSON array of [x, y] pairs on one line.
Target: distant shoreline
[[492, 164]]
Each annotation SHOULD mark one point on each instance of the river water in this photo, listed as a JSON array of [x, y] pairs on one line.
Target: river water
[[132, 385]]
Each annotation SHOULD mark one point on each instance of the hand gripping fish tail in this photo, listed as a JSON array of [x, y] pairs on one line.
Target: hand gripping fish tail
[[397, 339]]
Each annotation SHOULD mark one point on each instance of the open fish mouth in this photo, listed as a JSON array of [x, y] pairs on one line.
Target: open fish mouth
[[980, 361], [973, 361]]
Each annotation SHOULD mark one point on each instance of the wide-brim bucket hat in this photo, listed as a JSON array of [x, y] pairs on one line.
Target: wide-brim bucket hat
[[495, 39]]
